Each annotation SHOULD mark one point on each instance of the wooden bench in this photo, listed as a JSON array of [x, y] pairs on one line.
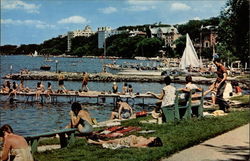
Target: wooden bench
[[184, 108], [64, 141]]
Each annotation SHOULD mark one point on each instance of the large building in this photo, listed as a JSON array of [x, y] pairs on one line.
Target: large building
[[103, 33], [208, 36], [86, 32], [168, 34]]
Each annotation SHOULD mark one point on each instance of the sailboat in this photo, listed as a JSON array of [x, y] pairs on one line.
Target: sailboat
[[189, 58], [35, 53]]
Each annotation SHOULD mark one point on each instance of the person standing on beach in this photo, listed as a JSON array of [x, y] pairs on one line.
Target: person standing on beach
[[221, 85], [85, 82], [61, 82]]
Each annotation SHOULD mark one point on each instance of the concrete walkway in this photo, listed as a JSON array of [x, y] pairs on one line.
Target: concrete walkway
[[233, 145]]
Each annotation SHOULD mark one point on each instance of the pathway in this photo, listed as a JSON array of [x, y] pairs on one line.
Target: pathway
[[233, 145]]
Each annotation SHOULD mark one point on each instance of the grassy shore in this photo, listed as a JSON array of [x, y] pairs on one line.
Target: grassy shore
[[175, 136], [245, 99]]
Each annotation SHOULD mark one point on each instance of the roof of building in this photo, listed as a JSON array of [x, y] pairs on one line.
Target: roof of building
[[170, 29]]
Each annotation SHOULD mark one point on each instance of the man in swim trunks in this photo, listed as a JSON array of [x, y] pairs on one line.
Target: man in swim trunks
[[125, 110]]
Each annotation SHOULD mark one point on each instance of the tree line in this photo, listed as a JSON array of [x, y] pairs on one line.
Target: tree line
[[233, 39]]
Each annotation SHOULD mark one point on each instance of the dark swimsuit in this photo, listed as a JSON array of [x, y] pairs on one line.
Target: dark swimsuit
[[87, 127]]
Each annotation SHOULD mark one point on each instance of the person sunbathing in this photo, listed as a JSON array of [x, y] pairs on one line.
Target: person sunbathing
[[80, 119], [130, 141], [122, 111], [15, 146]]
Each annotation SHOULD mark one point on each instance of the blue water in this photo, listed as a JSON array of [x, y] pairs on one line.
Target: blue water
[[31, 118]]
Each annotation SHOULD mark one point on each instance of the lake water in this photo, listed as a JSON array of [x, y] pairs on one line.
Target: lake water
[[31, 118]]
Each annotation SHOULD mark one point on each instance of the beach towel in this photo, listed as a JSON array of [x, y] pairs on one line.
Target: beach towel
[[112, 132]]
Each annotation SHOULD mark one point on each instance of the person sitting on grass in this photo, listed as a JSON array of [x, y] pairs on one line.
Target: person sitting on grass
[[14, 145], [125, 110], [80, 119], [130, 141], [122, 111]]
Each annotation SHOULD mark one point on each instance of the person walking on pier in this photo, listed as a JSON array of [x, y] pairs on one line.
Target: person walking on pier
[[61, 82], [85, 82], [221, 85]]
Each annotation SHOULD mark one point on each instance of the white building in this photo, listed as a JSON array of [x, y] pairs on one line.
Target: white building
[[105, 32], [86, 32]]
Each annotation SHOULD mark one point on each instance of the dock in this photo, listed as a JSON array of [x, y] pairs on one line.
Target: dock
[[73, 95]]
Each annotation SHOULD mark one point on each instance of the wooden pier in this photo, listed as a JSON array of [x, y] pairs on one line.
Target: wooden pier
[[73, 95]]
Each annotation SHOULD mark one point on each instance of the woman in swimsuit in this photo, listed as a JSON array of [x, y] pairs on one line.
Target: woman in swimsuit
[[131, 141], [80, 119], [14, 145]]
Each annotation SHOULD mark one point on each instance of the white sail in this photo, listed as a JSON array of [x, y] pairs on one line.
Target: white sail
[[189, 57], [35, 53]]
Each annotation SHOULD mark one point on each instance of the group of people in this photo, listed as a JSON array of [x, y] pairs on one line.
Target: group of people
[[126, 88], [13, 88], [167, 95]]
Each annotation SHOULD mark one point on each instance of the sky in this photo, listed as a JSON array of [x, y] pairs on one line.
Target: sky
[[34, 21]]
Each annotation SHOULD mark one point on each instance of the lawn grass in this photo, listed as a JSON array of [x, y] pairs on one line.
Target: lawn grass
[[245, 99], [175, 136]]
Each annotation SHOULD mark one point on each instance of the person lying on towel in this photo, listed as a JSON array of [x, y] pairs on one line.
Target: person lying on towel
[[129, 141]]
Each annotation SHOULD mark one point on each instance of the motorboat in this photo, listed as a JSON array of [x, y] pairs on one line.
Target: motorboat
[[45, 67]]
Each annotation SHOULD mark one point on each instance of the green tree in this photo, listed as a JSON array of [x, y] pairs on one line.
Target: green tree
[[226, 55], [80, 51], [233, 31], [8, 49], [180, 46], [149, 47]]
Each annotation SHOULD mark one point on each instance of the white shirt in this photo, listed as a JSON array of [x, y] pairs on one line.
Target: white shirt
[[191, 86], [169, 96]]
